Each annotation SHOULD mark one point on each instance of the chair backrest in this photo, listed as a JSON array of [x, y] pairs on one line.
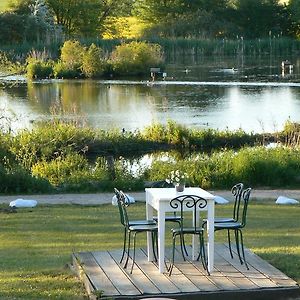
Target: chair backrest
[[245, 197], [188, 203], [123, 202], [237, 193]]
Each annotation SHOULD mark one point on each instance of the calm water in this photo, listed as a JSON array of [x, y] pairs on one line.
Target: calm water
[[254, 96]]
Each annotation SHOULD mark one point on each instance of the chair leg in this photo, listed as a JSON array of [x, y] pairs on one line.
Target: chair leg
[[133, 257], [236, 233], [154, 244], [243, 252], [182, 244], [204, 261], [124, 244], [182, 247], [229, 243], [128, 250], [173, 256]]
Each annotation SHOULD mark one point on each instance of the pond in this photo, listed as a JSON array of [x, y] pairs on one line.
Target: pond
[[241, 92]]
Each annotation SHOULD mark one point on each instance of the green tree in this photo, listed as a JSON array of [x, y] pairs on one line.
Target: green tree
[[72, 53], [198, 18], [86, 18], [136, 58], [93, 63], [294, 8], [260, 18]]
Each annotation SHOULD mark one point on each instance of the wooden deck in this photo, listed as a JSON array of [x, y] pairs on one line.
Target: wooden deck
[[104, 276]]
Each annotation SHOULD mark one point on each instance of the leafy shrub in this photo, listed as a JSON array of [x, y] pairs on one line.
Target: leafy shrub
[[19, 180], [136, 58], [93, 63], [255, 166], [172, 133], [72, 53], [50, 140], [37, 69], [261, 166], [61, 70], [62, 170]]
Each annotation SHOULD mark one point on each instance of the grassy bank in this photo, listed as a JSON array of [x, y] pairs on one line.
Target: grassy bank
[[36, 244], [64, 157]]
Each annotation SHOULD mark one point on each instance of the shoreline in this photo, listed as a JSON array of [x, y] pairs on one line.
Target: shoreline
[[104, 198]]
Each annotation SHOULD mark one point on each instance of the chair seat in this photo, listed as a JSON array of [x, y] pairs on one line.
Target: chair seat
[[141, 222], [187, 230], [170, 218], [145, 227], [220, 220], [228, 225]]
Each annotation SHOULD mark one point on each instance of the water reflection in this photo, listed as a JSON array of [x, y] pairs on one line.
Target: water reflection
[[202, 95]]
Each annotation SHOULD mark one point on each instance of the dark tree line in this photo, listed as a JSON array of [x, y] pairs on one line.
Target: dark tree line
[[36, 20]]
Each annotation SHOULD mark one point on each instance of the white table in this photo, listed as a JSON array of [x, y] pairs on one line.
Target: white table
[[159, 199]]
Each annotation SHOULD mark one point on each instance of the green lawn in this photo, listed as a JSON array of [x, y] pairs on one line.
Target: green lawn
[[36, 244]]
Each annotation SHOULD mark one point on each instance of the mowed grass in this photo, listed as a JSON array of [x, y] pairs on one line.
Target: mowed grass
[[36, 244]]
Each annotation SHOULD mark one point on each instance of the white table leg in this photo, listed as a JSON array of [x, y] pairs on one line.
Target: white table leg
[[161, 240], [210, 233], [149, 216], [195, 240]]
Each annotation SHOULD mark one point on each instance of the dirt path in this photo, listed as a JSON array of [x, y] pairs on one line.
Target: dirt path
[[101, 198]]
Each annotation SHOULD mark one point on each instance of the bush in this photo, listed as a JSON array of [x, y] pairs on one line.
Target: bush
[[255, 166], [61, 170], [37, 69], [19, 180], [72, 53], [48, 141], [136, 58], [93, 63], [172, 133], [61, 70]]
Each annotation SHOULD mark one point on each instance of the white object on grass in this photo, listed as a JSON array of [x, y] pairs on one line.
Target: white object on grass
[[23, 203], [129, 200], [220, 200], [286, 200]]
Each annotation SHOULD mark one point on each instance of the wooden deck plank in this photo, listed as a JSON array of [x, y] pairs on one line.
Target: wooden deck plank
[[116, 275], [223, 283], [162, 282], [243, 283], [96, 275], [188, 279], [223, 251], [178, 278], [137, 277], [264, 266]]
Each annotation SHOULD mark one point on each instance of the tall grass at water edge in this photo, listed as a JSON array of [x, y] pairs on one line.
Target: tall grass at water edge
[[274, 46], [61, 156], [255, 166]]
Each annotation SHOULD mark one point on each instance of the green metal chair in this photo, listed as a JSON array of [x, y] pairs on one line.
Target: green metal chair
[[174, 218], [133, 227], [122, 200], [237, 226], [187, 204], [236, 191]]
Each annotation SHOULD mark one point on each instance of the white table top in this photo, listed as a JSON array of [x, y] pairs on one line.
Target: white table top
[[166, 194]]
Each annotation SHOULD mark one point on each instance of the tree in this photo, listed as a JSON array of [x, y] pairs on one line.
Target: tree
[[72, 54], [85, 18], [260, 18], [197, 18], [93, 63], [294, 9]]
